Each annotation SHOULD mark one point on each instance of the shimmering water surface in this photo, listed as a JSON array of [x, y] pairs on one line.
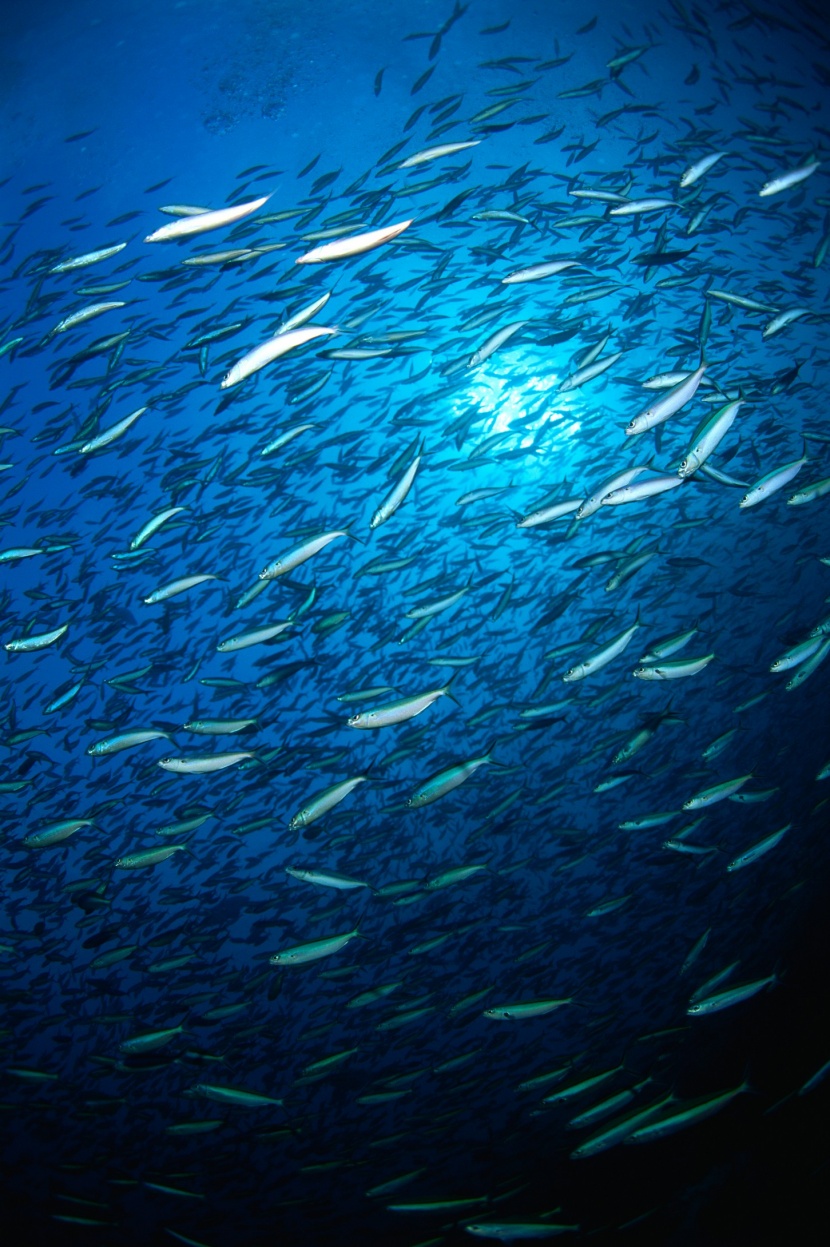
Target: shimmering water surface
[[416, 747]]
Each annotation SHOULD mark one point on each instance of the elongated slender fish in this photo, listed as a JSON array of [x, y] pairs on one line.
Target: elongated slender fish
[[56, 833], [205, 765], [434, 153], [112, 433], [718, 792], [233, 1096], [758, 850], [258, 637], [89, 257], [707, 437], [696, 171], [785, 181], [601, 657], [287, 562], [493, 343], [267, 352], [125, 740], [667, 406], [679, 669], [442, 782], [153, 525], [527, 1009], [148, 857], [29, 644], [199, 221], [398, 494], [325, 879], [313, 950], [324, 801], [771, 482], [398, 711], [356, 244], [164, 592], [538, 271]]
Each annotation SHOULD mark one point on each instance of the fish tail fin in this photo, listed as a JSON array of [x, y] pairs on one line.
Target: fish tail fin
[[488, 754], [447, 689]]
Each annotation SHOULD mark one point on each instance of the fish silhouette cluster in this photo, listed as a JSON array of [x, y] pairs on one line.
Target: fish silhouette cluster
[[415, 617]]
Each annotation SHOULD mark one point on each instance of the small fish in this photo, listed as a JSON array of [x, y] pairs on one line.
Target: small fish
[[301, 954]]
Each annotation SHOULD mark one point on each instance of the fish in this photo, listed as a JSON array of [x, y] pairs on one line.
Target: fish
[[204, 765], [312, 950], [696, 171], [55, 833], [234, 1096], [270, 350], [443, 782], [537, 271], [526, 1009], [86, 313], [495, 341], [771, 482], [601, 657], [435, 153], [397, 495], [182, 585], [108, 436], [287, 562], [758, 850], [785, 181], [325, 879], [30, 644], [666, 407], [90, 257], [684, 1116], [324, 801], [718, 792], [259, 636], [679, 669], [143, 858], [707, 437], [355, 244], [199, 220], [400, 711], [513, 1231], [125, 740]]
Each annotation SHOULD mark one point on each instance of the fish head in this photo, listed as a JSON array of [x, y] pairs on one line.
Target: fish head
[[575, 673], [357, 720]]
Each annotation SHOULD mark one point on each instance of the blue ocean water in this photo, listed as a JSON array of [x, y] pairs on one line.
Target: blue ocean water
[[583, 838]]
